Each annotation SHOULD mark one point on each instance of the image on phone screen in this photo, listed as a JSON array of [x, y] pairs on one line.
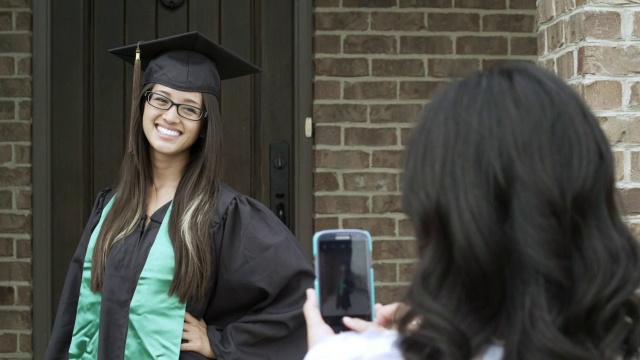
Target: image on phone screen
[[344, 270]]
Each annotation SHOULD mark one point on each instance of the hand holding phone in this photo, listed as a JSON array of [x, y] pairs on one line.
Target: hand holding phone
[[344, 275]]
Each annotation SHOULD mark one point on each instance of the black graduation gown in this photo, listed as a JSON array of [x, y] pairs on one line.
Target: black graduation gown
[[253, 306]]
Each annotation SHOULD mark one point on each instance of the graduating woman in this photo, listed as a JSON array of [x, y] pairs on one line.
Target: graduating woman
[[173, 263]]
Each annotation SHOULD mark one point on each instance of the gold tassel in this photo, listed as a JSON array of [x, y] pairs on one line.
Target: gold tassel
[[135, 97]]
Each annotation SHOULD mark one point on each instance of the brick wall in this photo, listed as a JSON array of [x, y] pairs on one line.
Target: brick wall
[[376, 64], [15, 179], [593, 44]]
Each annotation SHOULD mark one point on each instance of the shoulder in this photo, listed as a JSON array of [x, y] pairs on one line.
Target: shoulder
[[232, 203], [371, 345]]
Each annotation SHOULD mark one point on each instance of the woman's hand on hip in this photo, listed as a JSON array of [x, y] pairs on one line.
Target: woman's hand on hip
[[195, 335]]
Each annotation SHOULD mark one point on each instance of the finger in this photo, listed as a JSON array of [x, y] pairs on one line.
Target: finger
[[310, 309], [357, 325], [189, 318]]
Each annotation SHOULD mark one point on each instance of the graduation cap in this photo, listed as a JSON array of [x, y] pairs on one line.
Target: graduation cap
[[186, 62]]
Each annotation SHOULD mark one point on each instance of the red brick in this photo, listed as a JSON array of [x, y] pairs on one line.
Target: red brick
[[326, 44], [24, 110], [602, 25], [566, 65], [6, 154], [24, 295], [387, 294], [325, 181], [7, 295], [341, 204], [325, 223], [342, 67], [15, 132], [23, 249], [405, 228], [370, 182], [447, 68], [369, 3], [23, 20], [524, 45], [485, 45], [7, 111], [15, 224], [542, 43], [545, 11], [426, 45], [397, 21], [549, 64], [345, 159], [341, 21], [406, 271], [15, 319], [327, 135], [555, 36], [6, 247], [15, 177], [15, 43], [636, 24], [420, 89], [618, 157], [370, 136], [24, 66], [426, 3], [394, 249], [6, 20], [481, 4], [393, 159], [369, 44], [15, 87], [370, 90], [562, 6], [394, 113], [404, 136], [8, 343], [509, 23], [453, 22], [609, 60], [339, 113], [385, 272], [382, 204], [522, 4], [15, 4], [620, 129], [15, 271], [603, 95], [630, 200], [23, 154], [326, 90], [7, 65], [634, 171], [6, 199], [380, 226], [402, 67], [326, 3], [574, 28], [634, 99], [25, 343]]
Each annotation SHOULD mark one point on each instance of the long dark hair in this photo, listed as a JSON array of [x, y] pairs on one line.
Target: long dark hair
[[192, 210], [509, 183]]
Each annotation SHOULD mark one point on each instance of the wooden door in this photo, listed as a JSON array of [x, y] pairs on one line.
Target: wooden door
[[88, 108]]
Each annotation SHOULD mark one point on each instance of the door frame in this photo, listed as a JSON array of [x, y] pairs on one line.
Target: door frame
[[42, 145]]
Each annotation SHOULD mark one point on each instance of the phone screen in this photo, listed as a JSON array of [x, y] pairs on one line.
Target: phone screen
[[344, 264]]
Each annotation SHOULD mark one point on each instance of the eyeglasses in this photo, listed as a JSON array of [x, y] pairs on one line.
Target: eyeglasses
[[162, 102]]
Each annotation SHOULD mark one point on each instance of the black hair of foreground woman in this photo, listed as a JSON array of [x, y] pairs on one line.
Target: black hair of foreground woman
[[510, 185]]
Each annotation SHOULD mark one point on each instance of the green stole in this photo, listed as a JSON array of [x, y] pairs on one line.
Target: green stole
[[156, 320]]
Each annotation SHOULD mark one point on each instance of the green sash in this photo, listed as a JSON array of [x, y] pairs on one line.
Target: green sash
[[156, 319]]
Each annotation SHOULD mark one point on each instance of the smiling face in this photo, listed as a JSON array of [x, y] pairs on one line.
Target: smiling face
[[169, 134]]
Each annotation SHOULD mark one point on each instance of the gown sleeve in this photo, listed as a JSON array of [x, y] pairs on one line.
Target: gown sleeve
[[255, 311], [66, 315]]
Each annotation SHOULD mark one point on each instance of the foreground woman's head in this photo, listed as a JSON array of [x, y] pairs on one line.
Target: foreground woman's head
[[509, 184]]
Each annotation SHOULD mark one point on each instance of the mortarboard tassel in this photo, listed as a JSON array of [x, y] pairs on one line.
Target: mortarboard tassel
[[135, 96]]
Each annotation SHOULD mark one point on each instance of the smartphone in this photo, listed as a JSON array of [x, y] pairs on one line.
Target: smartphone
[[344, 275]]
